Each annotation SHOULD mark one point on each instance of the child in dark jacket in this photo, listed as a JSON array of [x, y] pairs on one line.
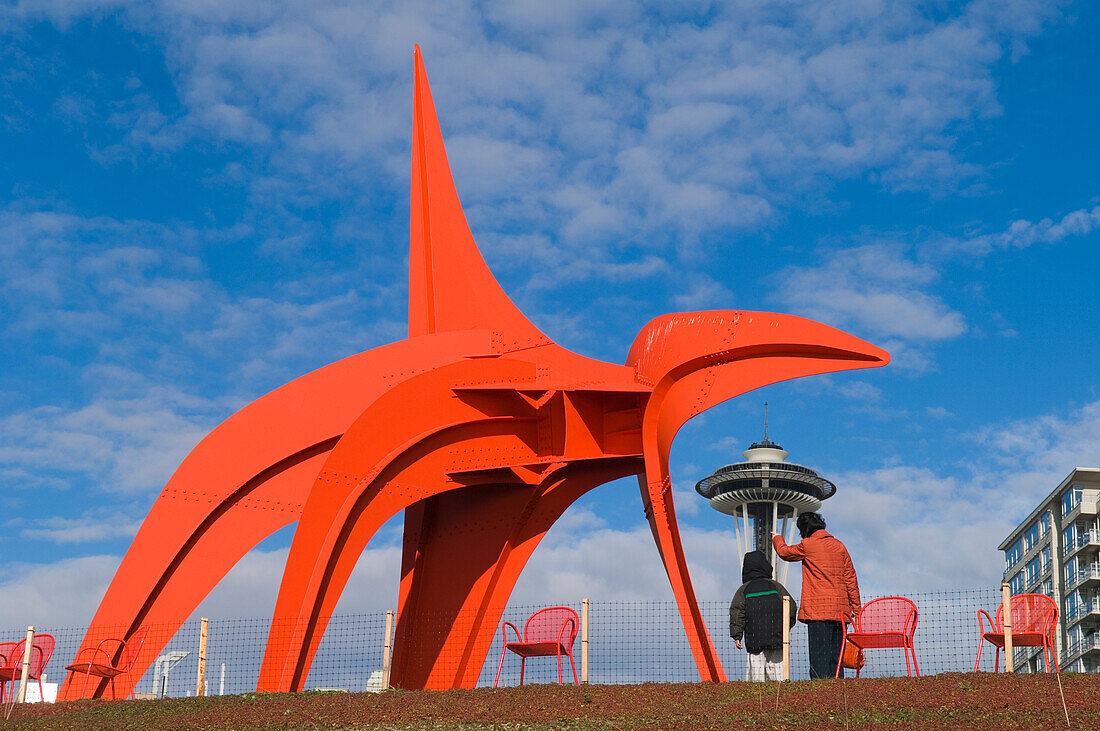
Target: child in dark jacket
[[756, 614]]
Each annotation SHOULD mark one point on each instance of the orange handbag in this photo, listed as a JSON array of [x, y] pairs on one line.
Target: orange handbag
[[853, 656]]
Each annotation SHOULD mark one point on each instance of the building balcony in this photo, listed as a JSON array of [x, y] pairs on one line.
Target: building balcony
[[1086, 543], [1085, 611], [1085, 576], [1085, 507], [1083, 647]]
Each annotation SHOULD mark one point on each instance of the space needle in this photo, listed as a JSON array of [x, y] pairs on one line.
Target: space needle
[[767, 490]]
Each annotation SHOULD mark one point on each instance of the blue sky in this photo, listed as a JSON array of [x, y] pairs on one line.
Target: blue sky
[[202, 200]]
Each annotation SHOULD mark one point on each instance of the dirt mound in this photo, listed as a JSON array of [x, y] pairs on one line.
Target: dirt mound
[[947, 701]]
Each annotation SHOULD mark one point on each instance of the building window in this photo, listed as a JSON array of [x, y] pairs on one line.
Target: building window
[[1031, 537], [1069, 538], [1016, 583], [1074, 634], [1032, 571], [1071, 499], [1073, 601], [1044, 524], [1070, 571], [1048, 588], [1013, 554]]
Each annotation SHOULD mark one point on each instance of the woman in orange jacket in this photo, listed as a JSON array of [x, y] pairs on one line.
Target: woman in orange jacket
[[829, 590]]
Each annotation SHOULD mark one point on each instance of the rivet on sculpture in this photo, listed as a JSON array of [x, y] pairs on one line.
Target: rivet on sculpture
[[477, 425]]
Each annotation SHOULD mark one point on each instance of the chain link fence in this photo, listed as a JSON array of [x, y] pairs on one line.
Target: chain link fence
[[628, 642]]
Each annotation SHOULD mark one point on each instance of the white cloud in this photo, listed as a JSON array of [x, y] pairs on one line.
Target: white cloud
[[91, 527], [1021, 234], [925, 530], [111, 445], [702, 292], [52, 595], [670, 122], [875, 288]]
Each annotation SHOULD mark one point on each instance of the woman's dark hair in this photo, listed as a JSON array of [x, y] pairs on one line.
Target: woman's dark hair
[[809, 523]]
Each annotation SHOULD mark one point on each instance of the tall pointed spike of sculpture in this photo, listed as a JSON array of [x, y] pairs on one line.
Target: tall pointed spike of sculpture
[[450, 286]]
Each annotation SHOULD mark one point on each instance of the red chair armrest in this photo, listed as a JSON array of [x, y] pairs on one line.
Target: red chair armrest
[[504, 632], [566, 623], [118, 645], [981, 627], [94, 651]]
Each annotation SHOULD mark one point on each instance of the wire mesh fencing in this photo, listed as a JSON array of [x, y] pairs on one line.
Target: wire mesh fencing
[[627, 642]]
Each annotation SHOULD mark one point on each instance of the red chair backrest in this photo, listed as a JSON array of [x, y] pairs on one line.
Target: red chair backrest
[[889, 614], [1030, 613], [131, 649], [6, 649], [546, 625], [41, 652]]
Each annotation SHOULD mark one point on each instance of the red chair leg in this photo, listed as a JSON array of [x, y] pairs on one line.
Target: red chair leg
[[981, 642], [500, 665], [576, 681], [113, 696], [1048, 654], [997, 661], [559, 667], [522, 662], [913, 652]]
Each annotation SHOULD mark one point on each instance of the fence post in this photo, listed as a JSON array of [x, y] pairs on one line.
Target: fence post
[[28, 650], [387, 649], [221, 683], [200, 685], [584, 640], [786, 637], [1006, 612]]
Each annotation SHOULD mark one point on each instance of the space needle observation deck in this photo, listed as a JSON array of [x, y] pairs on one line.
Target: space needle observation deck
[[766, 490]]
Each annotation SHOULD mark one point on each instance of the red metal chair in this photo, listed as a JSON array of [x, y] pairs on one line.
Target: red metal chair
[[41, 651], [547, 632], [1034, 619], [887, 622], [101, 662]]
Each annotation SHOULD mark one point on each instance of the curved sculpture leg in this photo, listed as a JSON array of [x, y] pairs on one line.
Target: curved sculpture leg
[[458, 541], [461, 572], [399, 451], [659, 510], [695, 361], [318, 569], [247, 479]]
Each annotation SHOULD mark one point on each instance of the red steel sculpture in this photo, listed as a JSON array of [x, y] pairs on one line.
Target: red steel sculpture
[[479, 427]]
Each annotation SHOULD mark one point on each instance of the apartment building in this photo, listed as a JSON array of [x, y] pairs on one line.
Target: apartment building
[[1056, 551]]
